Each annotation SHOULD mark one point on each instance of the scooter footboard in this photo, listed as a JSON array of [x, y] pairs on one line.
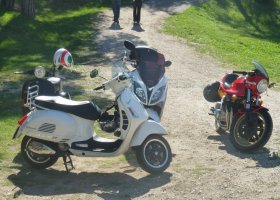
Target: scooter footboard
[[149, 127]]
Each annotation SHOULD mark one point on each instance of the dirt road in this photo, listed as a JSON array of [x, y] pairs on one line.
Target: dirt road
[[205, 164]]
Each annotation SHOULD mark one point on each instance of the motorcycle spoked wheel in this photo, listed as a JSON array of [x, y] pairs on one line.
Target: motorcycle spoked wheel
[[38, 161], [258, 139], [154, 155]]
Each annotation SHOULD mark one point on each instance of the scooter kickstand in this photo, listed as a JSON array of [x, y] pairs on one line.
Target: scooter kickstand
[[68, 163]]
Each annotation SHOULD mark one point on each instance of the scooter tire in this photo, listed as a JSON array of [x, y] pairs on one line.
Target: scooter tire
[[154, 154], [36, 160], [266, 134]]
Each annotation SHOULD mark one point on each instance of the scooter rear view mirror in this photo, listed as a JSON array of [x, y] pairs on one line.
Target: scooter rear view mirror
[[167, 63], [94, 73], [129, 45]]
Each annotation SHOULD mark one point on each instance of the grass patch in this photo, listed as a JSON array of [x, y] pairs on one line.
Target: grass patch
[[26, 43], [236, 32]]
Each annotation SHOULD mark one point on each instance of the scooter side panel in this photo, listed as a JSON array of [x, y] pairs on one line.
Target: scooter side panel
[[147, 128], [51, 125]]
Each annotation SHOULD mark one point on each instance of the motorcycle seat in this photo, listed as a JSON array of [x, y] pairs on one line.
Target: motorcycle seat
[[85, 109], [229, 79]]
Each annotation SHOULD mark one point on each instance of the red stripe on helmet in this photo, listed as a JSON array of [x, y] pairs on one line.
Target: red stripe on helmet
[[62, 57]]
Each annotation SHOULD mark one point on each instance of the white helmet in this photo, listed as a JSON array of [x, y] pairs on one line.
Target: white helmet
[[62, 58]]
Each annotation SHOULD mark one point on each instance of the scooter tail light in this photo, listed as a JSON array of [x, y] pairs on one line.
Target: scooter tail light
[[22, 119]]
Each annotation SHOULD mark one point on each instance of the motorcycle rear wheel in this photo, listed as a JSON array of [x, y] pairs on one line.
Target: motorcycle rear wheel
[[258, 140], [38, 161], [154, 155]]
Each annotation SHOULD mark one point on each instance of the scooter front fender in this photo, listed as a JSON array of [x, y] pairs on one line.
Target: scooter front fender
[[148, 128]]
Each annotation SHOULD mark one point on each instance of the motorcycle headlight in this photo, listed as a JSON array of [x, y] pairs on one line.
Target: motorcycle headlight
[[40, 72], [157, 95], [140, 93], [262, 86]]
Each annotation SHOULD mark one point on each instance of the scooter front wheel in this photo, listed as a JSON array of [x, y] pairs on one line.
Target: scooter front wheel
[[36, 160], [154, 155]]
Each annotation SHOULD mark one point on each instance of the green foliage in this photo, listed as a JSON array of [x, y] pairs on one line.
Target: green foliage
[[25, 43], [234, 31]]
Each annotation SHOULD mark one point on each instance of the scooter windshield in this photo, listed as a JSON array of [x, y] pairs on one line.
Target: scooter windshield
[[119, 67], [260, 69], [150, 65]]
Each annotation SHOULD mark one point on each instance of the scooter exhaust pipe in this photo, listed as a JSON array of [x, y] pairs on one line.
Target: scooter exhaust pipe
[[39, 148]]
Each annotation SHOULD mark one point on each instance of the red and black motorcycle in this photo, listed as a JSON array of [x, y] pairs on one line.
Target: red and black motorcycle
[[239, 107]]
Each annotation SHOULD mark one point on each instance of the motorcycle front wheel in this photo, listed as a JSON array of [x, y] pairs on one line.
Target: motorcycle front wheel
[[39, 161], [154, 155], [258, 138]]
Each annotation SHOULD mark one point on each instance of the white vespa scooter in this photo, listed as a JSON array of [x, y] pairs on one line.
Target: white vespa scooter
[[59, 127]]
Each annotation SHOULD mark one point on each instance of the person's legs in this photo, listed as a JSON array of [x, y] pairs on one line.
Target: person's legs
[[116, 4], [118, 8], [138, 13], [134, 13]]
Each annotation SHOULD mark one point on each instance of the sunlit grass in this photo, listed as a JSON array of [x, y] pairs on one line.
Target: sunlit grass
[[235, 33]]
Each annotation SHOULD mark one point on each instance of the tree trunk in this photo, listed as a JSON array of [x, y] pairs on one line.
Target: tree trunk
[[28, 8], [8, 4]]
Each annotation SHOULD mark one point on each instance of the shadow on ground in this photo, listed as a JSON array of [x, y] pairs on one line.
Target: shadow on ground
[[263, 157], [114, 185]]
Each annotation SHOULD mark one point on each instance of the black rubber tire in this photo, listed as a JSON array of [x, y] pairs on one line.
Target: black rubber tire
[[265, 124], [144, 156], [32, 158]]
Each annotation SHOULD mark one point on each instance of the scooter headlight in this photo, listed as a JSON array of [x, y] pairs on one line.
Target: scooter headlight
[[40, 72], [140, 93], [262, 86], [157, 95]]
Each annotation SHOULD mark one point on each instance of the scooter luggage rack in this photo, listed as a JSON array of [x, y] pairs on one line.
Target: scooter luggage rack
[[32, 92]]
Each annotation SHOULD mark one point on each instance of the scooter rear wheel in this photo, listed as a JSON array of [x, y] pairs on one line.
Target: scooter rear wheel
[[154, 155], [39, 161]]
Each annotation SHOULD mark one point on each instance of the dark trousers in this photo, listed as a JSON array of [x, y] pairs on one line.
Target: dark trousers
[[116, 5], [137, 11]]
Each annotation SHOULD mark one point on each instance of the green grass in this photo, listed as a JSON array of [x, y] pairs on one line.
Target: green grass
[[25, 43], [235, 32]]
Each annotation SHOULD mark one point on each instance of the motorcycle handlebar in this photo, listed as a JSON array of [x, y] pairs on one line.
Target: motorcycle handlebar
[[249, 73], [240, 72]]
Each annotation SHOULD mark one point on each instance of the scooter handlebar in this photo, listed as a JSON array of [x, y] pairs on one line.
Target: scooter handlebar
[[122, 77], [99, 88], [24, 72]]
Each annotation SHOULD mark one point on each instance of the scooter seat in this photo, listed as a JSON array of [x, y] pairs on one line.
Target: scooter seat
[[84, 109]]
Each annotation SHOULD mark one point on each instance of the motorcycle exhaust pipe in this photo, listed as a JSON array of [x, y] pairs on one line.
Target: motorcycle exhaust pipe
[[39, 148]]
